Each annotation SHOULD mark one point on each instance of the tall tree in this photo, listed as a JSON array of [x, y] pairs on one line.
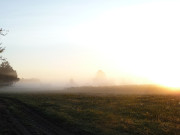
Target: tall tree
[[7, 74]]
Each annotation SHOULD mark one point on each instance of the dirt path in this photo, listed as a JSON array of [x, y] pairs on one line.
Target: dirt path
[[16, 118]]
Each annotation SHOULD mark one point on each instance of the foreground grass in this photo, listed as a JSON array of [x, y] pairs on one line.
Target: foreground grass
[[109, 115]]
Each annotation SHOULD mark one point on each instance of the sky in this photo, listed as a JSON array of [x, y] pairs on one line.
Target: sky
[[56, 40]]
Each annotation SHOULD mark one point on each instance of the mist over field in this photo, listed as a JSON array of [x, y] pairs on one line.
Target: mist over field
[[89, 67], [133, 89], [100, 84]]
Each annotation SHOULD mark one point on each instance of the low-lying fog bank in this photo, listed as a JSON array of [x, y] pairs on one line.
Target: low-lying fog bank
[[29, 87], [123, 89], [112, 90]]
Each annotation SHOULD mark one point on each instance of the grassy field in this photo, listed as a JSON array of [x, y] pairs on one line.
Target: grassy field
[[109, 115]]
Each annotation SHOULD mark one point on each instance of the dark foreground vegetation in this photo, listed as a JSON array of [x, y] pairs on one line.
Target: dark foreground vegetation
[[95, 114]]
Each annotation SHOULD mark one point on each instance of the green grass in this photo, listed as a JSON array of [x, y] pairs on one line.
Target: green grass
[[109, 115]]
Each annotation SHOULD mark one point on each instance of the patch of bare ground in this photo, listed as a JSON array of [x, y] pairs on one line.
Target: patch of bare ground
[[18, 119]]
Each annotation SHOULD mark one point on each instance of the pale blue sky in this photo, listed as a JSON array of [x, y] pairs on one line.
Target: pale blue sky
[[56, 40]]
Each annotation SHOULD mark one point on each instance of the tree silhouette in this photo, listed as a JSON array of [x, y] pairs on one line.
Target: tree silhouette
[[1, 34], [7, 74]]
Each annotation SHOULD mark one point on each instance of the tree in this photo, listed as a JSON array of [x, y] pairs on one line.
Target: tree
[[2, 34], [7, 74]]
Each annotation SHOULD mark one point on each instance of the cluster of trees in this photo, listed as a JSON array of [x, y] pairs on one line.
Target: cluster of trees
[[7, 74]]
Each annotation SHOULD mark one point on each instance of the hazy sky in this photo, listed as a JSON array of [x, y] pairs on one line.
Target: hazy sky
[[62, 39]]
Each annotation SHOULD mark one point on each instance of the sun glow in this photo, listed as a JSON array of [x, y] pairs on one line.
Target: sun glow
[[141, 39], [132, 41]]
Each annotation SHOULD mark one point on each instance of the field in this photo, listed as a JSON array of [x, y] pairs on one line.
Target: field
[[93, 114]]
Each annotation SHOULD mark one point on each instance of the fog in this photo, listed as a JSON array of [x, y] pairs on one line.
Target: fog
[[92, 44], [96, 86]]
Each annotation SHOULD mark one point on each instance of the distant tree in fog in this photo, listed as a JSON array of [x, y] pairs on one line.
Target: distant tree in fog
[[100, 78]]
